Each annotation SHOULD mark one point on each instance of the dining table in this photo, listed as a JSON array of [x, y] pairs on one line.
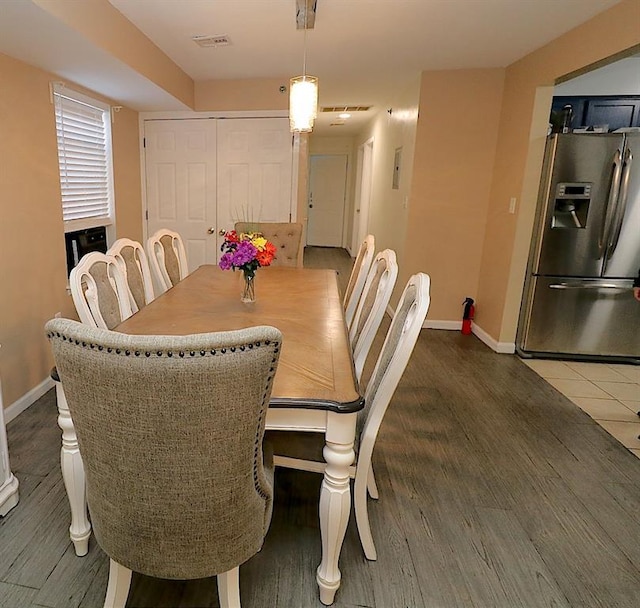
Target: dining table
[[314, 390]]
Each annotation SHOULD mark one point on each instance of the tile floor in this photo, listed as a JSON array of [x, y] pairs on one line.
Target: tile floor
[[608, 392]]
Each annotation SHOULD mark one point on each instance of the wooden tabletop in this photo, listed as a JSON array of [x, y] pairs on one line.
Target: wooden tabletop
[[316, 366]]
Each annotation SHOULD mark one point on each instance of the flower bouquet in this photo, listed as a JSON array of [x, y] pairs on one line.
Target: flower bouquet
[[247, 252]]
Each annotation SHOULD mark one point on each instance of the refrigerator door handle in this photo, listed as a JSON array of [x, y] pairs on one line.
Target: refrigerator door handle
[[610, 209], [621, 205], [617, 286]]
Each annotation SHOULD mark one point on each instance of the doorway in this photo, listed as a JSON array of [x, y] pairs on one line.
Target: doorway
[[326, 202], [363, 195]]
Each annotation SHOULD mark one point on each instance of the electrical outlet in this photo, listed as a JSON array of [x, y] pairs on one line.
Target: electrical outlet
[[512, 204]]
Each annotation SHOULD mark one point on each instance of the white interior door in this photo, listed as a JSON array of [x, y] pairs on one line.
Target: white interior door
[[180, 165], [327, 193], [255, 159], [363, 195]]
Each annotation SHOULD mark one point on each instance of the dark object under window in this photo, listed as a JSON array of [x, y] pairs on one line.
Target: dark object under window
[[81, 242]]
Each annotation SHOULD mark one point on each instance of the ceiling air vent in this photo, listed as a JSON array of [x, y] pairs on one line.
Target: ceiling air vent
[[348, 109], [212, 41]]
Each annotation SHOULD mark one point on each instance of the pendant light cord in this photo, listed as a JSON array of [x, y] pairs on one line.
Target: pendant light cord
[[304, 45]]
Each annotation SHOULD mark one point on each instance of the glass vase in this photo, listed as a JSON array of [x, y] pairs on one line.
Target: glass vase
[[248, 287]]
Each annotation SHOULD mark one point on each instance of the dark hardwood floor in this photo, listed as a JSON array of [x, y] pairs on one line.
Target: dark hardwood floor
[[495, 491]]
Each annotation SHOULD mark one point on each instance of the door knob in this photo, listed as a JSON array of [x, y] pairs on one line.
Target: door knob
[[222, 232], [211, 230]]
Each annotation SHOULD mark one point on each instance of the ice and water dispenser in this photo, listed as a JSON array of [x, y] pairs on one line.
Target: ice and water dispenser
[[571, 205]]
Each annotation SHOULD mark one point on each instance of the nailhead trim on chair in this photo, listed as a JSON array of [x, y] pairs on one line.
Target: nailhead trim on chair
[[160, 353], [257, 444]]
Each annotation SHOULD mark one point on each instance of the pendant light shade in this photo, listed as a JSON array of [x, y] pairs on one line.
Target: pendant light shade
[[303, 103], [303, 90]]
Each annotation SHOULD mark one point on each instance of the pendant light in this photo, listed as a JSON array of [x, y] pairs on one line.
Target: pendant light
[[303, 94]]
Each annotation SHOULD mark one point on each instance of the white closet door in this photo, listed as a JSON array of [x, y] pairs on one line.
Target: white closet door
[[255, 157], [203, 175], [180, 163]]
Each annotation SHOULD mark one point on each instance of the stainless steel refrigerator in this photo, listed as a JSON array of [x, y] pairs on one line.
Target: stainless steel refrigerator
[[578, 299]]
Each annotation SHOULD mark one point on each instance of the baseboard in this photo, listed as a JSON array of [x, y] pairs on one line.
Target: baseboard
[[448, 325], [499, 347], [506, 348], [20, 405]]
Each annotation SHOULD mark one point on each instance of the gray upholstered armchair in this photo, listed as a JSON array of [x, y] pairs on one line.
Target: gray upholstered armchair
[[171, 432], [287, 237]]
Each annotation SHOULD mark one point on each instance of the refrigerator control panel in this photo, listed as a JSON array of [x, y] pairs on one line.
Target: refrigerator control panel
[[574, 190]]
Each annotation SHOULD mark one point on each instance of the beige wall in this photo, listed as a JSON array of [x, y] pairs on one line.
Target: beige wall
[[455, 147], [126, 175], [241, 95], [389, 210], [32, 255], [518, 156], [301, 147]]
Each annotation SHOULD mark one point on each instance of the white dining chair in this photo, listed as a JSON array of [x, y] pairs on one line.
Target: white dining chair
[[357, 278], [99, 291], [134, 263], [167, 258], [373, 303], [303, 450]]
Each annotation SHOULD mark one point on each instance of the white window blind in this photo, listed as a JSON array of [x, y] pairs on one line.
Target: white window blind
[[84, 157]]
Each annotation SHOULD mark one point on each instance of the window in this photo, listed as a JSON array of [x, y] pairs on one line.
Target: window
[[83, 127]]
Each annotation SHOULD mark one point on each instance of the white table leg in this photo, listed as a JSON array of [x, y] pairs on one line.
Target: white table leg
[[73, 476], [335, 500]]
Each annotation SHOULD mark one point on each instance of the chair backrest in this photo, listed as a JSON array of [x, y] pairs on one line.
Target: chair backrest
[[287, 237], [357, 278], [376, 294], [133, 262], [393, 358], [167, 258], [99, 291], [170, 429]]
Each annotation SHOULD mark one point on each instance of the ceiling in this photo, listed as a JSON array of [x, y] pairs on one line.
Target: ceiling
[[362, 51]]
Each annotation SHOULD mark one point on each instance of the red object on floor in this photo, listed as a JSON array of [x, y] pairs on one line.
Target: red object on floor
[[467, 315]]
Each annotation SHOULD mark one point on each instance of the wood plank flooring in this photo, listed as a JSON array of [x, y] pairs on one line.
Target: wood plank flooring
[[495, 491]]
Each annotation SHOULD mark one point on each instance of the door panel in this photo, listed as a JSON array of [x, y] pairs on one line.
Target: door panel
[[255, 158], [180, 163], [327, 192], [590, 317]]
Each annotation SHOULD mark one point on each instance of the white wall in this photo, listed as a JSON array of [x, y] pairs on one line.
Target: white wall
[[619, 78]]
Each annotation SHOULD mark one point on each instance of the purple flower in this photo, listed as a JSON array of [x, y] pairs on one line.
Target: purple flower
[[246, 252], [226, 261]]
